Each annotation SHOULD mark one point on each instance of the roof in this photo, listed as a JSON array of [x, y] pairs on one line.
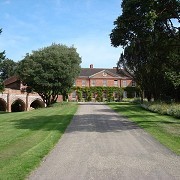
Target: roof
[[87, 72], [11, 80]]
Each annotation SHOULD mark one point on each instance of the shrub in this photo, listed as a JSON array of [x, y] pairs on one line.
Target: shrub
[[163, 108]]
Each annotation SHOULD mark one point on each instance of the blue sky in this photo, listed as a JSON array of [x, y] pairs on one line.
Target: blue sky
[[86, 24]]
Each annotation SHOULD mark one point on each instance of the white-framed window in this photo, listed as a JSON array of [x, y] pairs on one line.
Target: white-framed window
[[133, 83], [115, 83], [104, 82], [93, 82], [83, 82], [124, 83], [74, 94]]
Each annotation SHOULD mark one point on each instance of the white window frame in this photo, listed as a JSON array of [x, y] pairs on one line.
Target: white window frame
[[116, 83], [104, 82], [83, 82], [93, 82], [124, 83]]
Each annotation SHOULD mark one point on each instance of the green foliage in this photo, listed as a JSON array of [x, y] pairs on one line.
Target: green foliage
[[7, 68], [131, 91], [151, 45], [79, 94], [171, 109], [1, 86], [50, 71], [2, 56], [99, 93]]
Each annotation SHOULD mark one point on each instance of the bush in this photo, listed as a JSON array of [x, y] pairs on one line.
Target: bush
[[163, 108]]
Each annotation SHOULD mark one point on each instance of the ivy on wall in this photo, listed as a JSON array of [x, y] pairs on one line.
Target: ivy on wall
[[99, 93]]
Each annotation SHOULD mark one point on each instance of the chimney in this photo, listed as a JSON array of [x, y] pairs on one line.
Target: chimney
[[91, 66]]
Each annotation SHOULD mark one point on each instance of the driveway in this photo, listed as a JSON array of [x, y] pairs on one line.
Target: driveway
[[99, 144]]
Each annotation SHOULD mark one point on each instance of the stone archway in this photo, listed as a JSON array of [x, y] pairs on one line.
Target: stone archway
[[3, 105], [37, 103], [18, 106]]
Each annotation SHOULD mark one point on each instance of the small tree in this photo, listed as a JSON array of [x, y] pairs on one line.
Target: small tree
[[50, 71]]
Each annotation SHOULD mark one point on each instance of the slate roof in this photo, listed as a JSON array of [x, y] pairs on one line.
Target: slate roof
[[87, 72]]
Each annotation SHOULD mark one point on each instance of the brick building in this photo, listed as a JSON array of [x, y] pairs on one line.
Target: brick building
[[15, 97], [103, 77]]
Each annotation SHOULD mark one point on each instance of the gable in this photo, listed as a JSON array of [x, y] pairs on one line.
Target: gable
[[105, 74]]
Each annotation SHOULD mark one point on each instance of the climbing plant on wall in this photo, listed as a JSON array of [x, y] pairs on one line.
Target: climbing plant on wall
[[100, 93]]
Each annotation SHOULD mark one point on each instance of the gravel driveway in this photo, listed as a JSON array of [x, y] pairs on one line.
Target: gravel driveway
[[101, 145]]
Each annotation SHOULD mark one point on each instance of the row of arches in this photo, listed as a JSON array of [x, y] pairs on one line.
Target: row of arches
[[19, 105]]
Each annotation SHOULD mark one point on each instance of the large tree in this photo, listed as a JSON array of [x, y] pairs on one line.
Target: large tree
[[2, 56], [50, 71], [7, 68], [151, 42]]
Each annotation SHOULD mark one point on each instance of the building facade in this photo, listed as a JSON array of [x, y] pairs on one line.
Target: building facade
[[90, 77], [102, 77], [15, 97]]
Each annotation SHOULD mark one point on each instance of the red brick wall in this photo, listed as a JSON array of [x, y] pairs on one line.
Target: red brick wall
[[128, 82], [99, 82], [79, 82]]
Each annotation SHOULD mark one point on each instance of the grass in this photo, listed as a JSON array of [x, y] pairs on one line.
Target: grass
[[26, 137], [165, 129]]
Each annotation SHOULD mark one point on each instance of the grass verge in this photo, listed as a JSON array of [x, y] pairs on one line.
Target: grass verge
[[165, 129], [26, 137]]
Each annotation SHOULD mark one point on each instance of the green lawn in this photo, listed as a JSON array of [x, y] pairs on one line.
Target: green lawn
[[165, 129], [26, 137]]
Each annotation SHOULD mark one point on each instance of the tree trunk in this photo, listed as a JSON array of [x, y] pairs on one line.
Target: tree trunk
[[142, 96]]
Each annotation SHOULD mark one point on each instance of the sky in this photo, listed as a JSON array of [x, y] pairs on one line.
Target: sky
[[29, 25]]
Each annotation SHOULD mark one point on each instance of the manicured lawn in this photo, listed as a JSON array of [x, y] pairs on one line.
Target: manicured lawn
[[165, 129], [26, 137]]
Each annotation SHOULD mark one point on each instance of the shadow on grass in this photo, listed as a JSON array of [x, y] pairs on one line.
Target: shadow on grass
[[82, 123], [3, 112], [103, 121], [47, 123], [131, 110]]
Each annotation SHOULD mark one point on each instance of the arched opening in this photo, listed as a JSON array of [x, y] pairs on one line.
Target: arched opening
[[3, 105], [37, 104], [18, 106]]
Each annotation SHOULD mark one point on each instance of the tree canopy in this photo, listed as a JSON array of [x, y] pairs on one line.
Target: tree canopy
[[50, 71], [7, 68], [2, 56], [150, 36]]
